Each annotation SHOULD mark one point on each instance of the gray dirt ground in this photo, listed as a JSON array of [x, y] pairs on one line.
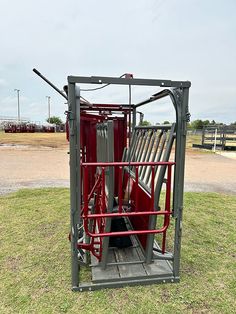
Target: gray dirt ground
[[24, 167]]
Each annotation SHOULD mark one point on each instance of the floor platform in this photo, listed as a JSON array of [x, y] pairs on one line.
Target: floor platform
[[127, 265]]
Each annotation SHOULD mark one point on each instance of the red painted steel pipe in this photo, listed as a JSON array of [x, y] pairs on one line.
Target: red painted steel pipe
[[100, 234], [127, 214], [120, 190], [85, 190], [122, 233], [94, 187], [167, 207], [136, 192], [125, 163]]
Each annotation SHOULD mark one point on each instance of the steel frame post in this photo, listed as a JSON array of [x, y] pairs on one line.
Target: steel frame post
[[181, 96], [75, 189]]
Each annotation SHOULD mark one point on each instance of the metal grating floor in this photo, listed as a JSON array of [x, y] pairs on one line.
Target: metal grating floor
[[131, 271]]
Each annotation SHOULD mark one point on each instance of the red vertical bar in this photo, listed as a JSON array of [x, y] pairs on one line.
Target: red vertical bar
[[85, 190], [120, 190], [136, 189], [167, 206], [103, 191], [129, 126], [168, 188]]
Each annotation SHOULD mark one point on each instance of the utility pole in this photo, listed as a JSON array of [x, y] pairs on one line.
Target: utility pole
[[49, 115], [18, 104]]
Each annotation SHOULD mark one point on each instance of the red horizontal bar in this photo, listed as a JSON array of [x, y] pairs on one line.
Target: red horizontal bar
[[160, 212], [125, 233], [134, 163]]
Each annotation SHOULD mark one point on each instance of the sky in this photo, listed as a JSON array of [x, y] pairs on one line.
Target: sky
[[191, 40]]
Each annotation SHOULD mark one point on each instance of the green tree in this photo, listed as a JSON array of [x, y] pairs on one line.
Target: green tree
[[206, 122], [54, 120], [145, 123], [197, 124], [166, 122]]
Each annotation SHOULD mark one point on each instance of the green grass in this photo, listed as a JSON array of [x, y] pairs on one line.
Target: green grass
[[35, 260], [193, 139]]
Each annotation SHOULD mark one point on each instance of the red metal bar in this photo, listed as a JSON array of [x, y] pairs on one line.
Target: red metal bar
[[94, 187], [120, 190], [125, 163], [167, 207], [99, 216], [85, 191], [127, 214], [123, 233], [168, 187], [136, 191]]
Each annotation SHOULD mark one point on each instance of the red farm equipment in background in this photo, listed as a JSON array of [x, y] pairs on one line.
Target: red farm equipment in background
[[126, 185]]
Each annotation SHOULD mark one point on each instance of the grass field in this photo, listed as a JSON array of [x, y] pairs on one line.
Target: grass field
[[54, 140], [193, 139], [57, 140], [35, 260]]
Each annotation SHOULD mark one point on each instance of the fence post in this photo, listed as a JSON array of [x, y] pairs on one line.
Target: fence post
[[214, 147]]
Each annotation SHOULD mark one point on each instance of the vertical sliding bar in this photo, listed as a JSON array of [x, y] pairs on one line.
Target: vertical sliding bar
[[120, 190]]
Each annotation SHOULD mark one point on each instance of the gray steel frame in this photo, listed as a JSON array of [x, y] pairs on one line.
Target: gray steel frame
[[179, 94]]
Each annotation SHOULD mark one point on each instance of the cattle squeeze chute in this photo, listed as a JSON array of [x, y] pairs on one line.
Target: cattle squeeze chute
[[126, 186]]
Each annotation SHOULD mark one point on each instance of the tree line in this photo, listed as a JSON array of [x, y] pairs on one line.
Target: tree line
[[195, 124]]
